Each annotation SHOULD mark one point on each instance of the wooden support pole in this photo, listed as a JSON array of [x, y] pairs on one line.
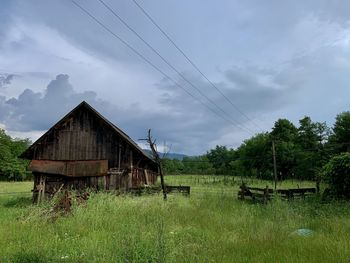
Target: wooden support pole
[[274, 163], [266, 194], [39, 190], [162, 181], [43, 189], [119, 155], [131, 170], [146, 176]]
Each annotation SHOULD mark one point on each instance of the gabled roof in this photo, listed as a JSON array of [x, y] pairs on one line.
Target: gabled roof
[[109, 124]]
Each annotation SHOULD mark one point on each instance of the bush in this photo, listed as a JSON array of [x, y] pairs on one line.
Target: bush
[[337, 174]]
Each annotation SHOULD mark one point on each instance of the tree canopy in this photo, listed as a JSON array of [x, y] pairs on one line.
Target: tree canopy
[[301, 151], [337, 174], [11, 167], [340, 137]]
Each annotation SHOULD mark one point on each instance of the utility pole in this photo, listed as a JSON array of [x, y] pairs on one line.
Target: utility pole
[[274, 163]]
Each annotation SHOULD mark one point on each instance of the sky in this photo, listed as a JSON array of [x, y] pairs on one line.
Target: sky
[[271, 59]]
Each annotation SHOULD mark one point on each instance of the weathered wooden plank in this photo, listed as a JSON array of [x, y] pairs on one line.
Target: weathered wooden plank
[[265, 193], [260, 189], [70, 168]]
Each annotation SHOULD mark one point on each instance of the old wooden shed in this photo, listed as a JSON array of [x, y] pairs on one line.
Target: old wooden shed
[[85, 150]]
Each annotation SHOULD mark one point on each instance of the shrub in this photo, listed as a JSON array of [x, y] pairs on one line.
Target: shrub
[[337, 174]]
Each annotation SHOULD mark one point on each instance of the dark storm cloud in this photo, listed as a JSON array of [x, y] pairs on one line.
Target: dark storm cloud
[[258, 90], [252, 90], [179, 119], [36, 110], [277, 59], [5, 79], [183, 123]]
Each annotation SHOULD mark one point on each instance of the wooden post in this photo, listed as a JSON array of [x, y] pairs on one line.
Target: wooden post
[[146, 176], [242, 191], [162, 181], [266, 194], [274, 163], [119, 156], [41, 193], [107, 182], [132, 170], [318, 181]]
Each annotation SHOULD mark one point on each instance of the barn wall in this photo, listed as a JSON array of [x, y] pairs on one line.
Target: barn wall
[[84, 136], [51, 184]]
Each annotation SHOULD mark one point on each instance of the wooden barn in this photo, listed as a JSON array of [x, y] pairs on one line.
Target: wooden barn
[[84, 150]]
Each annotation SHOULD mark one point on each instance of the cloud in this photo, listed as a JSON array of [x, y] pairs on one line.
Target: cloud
[[37, 110], [280, 59], [5, 79], [182, 123], [264, 94]]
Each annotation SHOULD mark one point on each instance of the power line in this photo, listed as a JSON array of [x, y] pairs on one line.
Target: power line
[[192, 63], [166, 61], [153, 65]]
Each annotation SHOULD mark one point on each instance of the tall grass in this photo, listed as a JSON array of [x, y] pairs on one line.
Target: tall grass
[[213, 227]]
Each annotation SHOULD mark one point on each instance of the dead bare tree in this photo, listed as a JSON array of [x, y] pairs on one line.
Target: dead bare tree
[[157, 159]]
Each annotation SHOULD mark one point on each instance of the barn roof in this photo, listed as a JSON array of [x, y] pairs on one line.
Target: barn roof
[[28, 153]]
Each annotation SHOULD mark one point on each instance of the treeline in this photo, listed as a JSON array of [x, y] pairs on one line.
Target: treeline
[[301, 152], [11, 167]]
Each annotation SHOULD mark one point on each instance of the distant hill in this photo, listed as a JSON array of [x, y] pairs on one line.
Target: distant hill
[[177, 156]]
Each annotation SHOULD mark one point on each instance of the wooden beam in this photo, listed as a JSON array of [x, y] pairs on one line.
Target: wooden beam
[[70, 168]]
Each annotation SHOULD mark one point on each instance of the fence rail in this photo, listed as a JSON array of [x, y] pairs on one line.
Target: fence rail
[[255, 193], [265, 194]]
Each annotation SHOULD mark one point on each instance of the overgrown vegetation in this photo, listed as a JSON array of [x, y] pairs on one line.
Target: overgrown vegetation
[[11, 167], [209, 226], [337, 174]]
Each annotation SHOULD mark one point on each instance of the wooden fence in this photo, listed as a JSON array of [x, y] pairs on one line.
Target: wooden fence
[[185, 190], [265, 194]]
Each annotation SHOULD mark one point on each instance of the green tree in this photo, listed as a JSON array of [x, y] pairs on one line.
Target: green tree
[[220, 158], [172, 166], [197, 165], [11, 167], [284, 130], [285, 134], [307, 136], [255, 157], [310, 151], [337, 174], [340, 138]]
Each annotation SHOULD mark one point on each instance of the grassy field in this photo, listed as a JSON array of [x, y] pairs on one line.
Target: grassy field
[[209, 226]]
